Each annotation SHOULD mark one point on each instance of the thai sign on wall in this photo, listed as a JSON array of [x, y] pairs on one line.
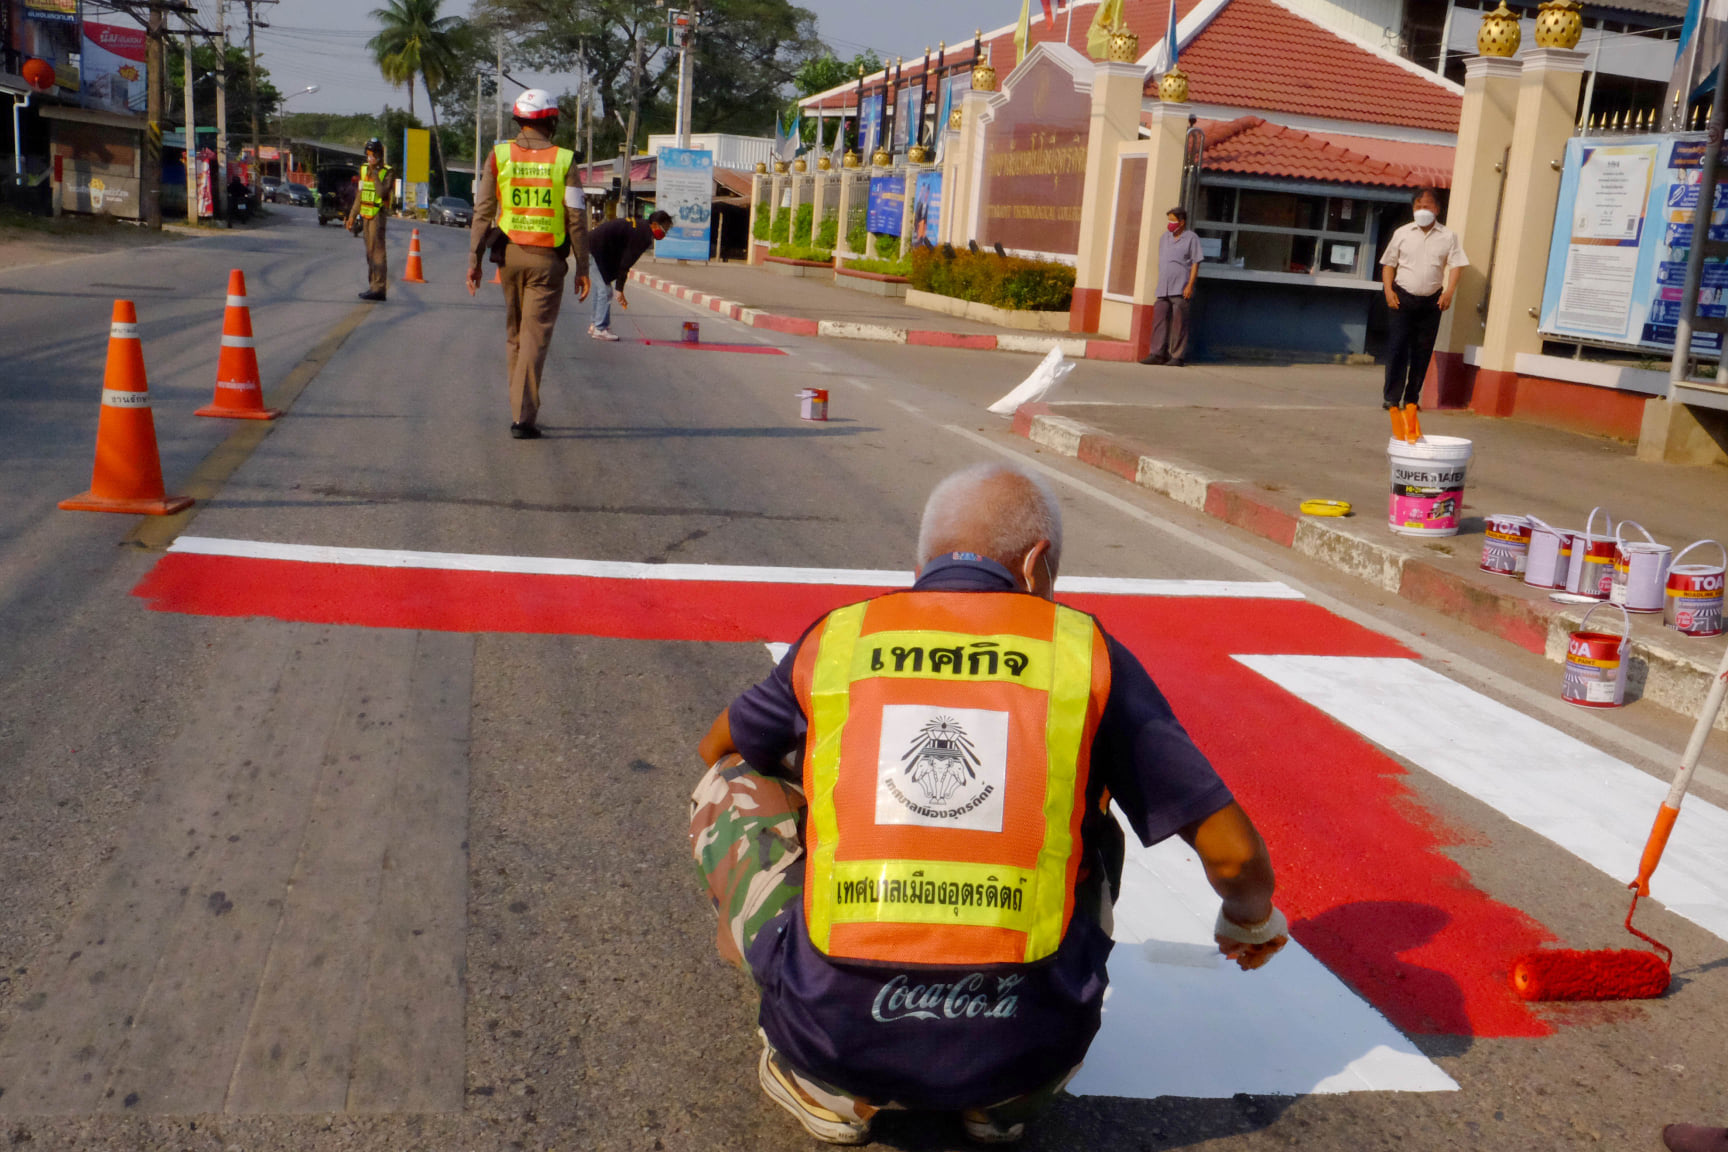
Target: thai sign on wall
[[1035, 162]]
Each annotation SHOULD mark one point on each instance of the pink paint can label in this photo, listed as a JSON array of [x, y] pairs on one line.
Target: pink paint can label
[[1425, 497]]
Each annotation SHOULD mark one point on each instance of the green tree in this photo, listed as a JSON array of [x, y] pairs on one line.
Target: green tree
[[413, 43], [821, 73], [204, 88]]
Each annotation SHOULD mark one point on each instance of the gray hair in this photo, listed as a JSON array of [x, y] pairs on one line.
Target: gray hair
[[996, 510]]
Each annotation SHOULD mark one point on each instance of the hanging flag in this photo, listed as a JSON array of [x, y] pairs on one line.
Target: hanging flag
[[1104, 22], [1023, 32], [1049, 14], [1694, 75], [1164, 56]]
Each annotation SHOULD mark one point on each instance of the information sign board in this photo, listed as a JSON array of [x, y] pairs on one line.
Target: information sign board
[[684, 188], [887, 209]]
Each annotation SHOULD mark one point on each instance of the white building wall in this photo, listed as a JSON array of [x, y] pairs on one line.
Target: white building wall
[[1376, 21], [730, 151]]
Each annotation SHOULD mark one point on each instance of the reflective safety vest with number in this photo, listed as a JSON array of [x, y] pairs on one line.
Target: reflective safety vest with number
[[371, 203], [531, 194], [945, 765]]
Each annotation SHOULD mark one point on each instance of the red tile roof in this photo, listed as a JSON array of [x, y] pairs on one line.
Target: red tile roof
[[1253, 54], [1250, 146]]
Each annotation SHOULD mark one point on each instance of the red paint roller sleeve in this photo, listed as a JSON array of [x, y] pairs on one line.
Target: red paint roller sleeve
[[1568, 974]]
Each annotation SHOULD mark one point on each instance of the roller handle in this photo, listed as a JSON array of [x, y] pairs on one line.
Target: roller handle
[[1653, 847]]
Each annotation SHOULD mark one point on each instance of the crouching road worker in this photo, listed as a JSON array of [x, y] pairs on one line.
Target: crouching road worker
[[530, 206], [924, 901], [617, 245], [367, 214]]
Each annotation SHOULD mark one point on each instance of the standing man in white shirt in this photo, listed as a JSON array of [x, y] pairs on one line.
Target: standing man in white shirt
[[1420, 271], [1179, 260]]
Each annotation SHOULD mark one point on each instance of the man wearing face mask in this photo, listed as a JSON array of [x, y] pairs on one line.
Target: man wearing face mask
[[1420, 271], [616, 246], [906, 830], [1179, 260]]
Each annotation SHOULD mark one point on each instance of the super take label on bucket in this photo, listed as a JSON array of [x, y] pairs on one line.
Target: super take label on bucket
[[1426, 496]]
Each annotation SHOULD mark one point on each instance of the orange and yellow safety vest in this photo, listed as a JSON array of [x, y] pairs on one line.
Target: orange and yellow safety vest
[[531, 193]]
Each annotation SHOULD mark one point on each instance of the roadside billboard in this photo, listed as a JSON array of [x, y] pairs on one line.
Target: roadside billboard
[[887, 208], [684, 187], [927, 209], [113, 68], [1622, 233], [870, 126]]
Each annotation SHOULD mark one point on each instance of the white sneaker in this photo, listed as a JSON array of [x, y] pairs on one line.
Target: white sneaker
[[601, 333], [828, 1127]]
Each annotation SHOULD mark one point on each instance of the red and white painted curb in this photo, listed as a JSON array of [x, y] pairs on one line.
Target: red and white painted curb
[[1676, 679], [1073, 347]]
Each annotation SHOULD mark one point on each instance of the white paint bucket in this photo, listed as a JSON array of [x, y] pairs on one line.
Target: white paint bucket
[[1640, 571], [1596, 663], [1694, 595], [1549, 553], [1506, 544], [1591, 572], [813, 404], [1427, 485]]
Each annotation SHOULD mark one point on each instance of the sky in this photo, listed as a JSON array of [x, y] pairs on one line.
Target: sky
[[323, 42]]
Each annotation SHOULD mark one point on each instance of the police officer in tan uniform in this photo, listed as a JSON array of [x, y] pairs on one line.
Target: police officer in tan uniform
[[529, 202], [370, 210]]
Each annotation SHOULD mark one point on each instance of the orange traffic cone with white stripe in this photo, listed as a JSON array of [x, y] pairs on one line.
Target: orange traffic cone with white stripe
[[496, 277], [239, 393], [128, 472], [413, 276]]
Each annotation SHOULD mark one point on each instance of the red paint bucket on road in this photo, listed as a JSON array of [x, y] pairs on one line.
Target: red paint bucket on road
[[1694, 595], [1506, 545], [1640, 571], [814, 404], [1550, 552], [1592, 569], [1596, 663], [692, 332]]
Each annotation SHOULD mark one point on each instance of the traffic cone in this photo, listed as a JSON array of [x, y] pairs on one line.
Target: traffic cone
[[239, 393], [128, 472], [496, 278], [412, 276]]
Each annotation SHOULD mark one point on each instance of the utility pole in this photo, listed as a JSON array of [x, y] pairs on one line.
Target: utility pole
[[191, 138], [686, 23], [155, 60], [635, 97], [219, 177], [588, 85], [252, 68], [498, 96], [479, 152]]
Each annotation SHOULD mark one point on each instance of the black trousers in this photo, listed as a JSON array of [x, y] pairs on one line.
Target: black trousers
[[1409, 345]]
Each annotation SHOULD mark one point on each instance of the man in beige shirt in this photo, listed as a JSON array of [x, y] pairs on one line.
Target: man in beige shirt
[[542, 223], [1420, 271]]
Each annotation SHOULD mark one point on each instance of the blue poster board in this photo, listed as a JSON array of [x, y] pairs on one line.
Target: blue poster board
[[684, 187], [870, 126], [887, 209], [1622, 233], [908, 116], [927, 209]]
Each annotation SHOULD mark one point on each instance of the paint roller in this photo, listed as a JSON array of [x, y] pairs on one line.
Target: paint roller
[[1624, 973]]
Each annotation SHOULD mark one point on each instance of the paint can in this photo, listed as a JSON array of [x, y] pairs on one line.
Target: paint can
[[1506, 545], [1550, 552], [1694, 599], [814, 404], [692, 332], [1640, 571], [1591, 572], [1427, 485], [1596, 663]]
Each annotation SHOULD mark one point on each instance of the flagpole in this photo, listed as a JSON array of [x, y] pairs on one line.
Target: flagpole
[[1068, 32]]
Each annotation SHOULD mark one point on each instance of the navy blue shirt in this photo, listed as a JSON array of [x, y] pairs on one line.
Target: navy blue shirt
[[966, 1037]]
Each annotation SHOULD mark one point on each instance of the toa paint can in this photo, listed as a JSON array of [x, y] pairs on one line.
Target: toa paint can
[[1549, 554], [814, 404], [1640, 571], [1596, 663], [1694, 594], [1591, 572], [692, 333], [1427, 485], [1506, 545]]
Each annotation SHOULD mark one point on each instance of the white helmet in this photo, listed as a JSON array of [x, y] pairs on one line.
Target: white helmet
[[535, 104]]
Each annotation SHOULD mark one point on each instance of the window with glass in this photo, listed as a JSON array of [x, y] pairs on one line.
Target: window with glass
[[1267, 231]]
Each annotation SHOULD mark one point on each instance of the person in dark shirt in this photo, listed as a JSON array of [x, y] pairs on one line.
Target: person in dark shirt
[[615, 246], [849, 1030]]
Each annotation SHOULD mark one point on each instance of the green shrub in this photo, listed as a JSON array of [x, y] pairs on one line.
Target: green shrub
[[760, 228], [881, 267], [829, 233], [999, 281], [887, 247], [857, 234], [780, 231], [802, 220], [802, 252]]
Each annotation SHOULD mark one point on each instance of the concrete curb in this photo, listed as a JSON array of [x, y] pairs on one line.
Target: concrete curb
[[1665, 674], [1073, 347]]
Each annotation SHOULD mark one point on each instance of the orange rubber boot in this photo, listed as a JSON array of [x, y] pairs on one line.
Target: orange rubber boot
[[1397, 415], [1412, 425]]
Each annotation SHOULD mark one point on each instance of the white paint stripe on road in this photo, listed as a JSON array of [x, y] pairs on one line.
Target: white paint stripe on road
[[1290, 1028], [1596, 807], [743, 574]]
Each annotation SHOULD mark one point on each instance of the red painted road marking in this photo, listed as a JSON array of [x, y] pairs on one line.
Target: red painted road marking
[[1362, 869], [748, 349]]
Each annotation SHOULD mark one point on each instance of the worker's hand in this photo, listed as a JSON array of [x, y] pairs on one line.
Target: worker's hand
[[582, 287], [1251, 945], [1391, 299], [623, 303], [473, 281], [1188, 292], [1445, 300]]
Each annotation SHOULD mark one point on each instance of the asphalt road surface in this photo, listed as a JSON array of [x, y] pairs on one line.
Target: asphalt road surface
[[349, 810]]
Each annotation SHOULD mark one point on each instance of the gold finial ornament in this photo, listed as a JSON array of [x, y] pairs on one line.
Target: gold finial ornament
[[781, 167], [823, 164], [918, 154], [1559, 24], [851, 160], [1173, 88], [800, 165], [955, 119], [881, 158], [761, 167], [984, 77], [1124, 46], [1499, 34]]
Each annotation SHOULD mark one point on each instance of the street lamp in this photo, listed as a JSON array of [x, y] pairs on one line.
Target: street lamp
[[282, 132]]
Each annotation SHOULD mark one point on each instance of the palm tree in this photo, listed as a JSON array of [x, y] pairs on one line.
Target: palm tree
[[415, 42]]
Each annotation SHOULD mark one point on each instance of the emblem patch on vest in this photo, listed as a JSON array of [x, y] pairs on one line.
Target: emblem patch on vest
[[942, 767]]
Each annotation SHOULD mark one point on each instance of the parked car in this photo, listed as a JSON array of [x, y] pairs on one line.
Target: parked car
[[270, 186], [298, 194], [337, 184], [450, 210]]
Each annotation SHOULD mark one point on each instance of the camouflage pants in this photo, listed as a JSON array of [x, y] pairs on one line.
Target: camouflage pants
[[747, 834]]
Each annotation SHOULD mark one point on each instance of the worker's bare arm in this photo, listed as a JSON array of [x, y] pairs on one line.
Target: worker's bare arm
[[1240, 870], [718, 741]]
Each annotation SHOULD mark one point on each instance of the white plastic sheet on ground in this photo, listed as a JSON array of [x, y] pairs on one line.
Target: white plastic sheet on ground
[[1051, 371]]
